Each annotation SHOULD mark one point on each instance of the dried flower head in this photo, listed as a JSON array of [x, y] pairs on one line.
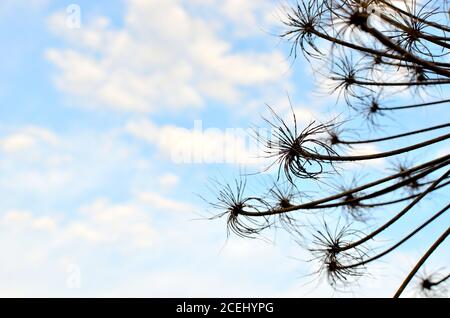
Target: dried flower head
[[402, 166], [329, 250], [295, 150], [302, 21], [284, 195], [232, 202], [432, 285]]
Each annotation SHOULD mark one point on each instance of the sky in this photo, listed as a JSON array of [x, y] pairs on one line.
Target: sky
[[114, 120]]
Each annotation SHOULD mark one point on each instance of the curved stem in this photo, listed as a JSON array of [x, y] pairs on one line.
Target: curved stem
[[406, 238], [388, 43], [373, 205], [408, 14], [393, 84], [436, 40], [355, 46], [415, 105], [381, 192], [310, 155], [440, 281], [348, 142], [437, 163], [397, 217]]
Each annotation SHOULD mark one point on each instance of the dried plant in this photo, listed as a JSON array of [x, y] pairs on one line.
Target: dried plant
[[375, 50]]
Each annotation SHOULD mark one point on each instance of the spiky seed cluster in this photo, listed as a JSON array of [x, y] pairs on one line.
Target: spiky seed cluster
[[232, 202], [353, 208], [295, 150], [284, 196], [299, 155], [402, 166], [330, 251], [302, 22], [433, 285]]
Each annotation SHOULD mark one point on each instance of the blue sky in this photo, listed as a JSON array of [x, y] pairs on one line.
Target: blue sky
[[93, 200]]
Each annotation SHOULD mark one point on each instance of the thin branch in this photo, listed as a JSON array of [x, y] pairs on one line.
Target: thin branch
[[419, 131]]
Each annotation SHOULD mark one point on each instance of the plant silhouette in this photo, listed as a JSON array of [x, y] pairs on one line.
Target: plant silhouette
[[373, 51]]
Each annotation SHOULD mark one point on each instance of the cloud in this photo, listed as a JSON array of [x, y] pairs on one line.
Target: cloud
[[134, 247], [168, 180], [159, 202], [104, 223], [7, 5], [127, 225], [366, 149], [165, 57], [26, 139], [245, 18], [40, 166]]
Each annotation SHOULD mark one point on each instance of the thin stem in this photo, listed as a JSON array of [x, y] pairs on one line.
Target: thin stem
[[348, 142], [439, 162], [440, 281], [415, 105], [406, 238], [397, 217], [380, 192], [388, 43], [393, 84], [380, 155], [408, 14], [373, 205]]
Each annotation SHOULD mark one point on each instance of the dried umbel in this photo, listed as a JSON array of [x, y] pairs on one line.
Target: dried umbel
[[434, 284], [231, 202], [329, 250], [294, 150], [304, 22], [413, 185], [354, 210], [285, 195], [388, 59]]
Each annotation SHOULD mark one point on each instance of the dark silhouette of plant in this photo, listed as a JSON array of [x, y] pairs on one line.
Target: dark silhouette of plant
[[374, 50], [432, 285]]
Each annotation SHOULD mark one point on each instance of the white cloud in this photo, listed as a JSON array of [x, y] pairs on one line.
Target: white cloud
[[26, 139], [16, 216], [122, 224], [159, 202], [8, 5], [39, 166], [16, 143], [165, 57], [169, 180], [128, 225], [366, 149]]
